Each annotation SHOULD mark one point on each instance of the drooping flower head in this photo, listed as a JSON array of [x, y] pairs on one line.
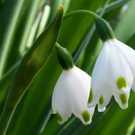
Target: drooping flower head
[[72, 90], [114, 72]]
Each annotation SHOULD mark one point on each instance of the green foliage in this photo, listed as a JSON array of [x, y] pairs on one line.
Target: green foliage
[[28, 74]]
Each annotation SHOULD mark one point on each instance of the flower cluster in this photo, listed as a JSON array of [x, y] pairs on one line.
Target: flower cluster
[[113, 76]]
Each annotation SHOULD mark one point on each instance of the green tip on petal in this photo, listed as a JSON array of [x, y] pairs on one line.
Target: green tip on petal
[[104, 29], [86, 116], [121, 82], [90, 97], [64, 57], [123, 98], [101, 100]]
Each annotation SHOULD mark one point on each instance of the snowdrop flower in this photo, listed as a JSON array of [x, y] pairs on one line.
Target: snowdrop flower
[[113, 74], [72, 90]]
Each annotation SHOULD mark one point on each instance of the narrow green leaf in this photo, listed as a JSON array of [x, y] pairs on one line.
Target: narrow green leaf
[[30, 65], [6, 9], [114, 5], [11, 30], [74, 29], [37, 100], [131, 129], [91, 53], [31, 17], [22, 32], [87, 5], [125, 29], [5, 83]]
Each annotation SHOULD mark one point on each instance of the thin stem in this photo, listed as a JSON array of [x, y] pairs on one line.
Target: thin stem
[[81, 11]]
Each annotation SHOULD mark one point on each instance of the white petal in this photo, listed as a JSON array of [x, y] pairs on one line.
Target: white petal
[[100, 75], [129, 54], [118, 65], [110, 66], [60, 102], [71, 93], [80, 84], [92, 110], [102, 82]]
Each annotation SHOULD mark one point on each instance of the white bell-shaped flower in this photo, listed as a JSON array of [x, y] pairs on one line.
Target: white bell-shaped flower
[[71, 92], [113, 74], [71, 95]]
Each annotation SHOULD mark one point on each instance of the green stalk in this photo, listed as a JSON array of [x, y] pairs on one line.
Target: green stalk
[[8, 38]]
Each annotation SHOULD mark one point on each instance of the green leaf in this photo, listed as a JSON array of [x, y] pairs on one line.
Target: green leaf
[[91, 53], [5, 83], [114, 5], [37, 99], [30, 65], [12, 31], [35, 6], [88, 5], [6, 8], [125, 29], [74, 29]]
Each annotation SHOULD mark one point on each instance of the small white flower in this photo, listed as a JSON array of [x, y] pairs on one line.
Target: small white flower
[[71, 95], [113, 74]]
